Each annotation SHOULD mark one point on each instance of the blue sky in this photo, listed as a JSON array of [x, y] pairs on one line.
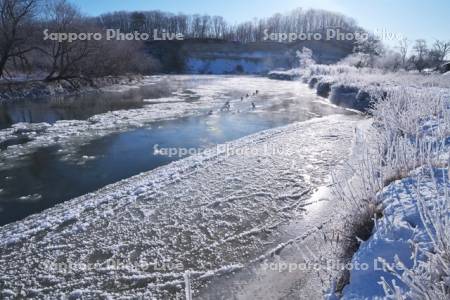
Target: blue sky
[[411, 18]]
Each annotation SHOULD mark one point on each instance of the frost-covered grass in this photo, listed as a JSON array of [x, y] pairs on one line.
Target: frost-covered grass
[[400, 183], [358, 87], [364, 77], [407, 254]]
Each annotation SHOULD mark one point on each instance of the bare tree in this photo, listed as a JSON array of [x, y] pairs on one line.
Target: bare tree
[[218, 26], [14, 15], [91, 58], [421, 50], [403, 48], [65, 57], [205, 26], [137, 21], [442, 49]]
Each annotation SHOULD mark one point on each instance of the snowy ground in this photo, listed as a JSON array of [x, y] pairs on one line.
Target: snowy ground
[[392, 242], [407, 251], [212, 214]]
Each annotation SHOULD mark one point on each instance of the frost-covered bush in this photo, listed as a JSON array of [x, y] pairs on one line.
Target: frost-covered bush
[[409, 122], [357, 59], [415, 125], [390, 61], [305, 57]]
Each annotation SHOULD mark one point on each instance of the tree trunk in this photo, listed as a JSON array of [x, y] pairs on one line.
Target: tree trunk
[[3, 61]]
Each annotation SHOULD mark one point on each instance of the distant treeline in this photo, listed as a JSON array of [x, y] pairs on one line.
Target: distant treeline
[[23, 49], [215, 27]]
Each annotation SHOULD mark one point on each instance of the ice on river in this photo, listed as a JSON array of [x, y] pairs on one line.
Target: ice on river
[[211, 213], [207, 95]]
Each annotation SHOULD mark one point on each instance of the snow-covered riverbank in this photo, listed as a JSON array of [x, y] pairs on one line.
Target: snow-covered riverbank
[[211, 213], [401, 180], [401, 185], [406, 255], [35, 89], [358, 88], [395, 261]]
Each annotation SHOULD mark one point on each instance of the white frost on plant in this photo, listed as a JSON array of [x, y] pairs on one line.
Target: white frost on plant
[[403, 255]]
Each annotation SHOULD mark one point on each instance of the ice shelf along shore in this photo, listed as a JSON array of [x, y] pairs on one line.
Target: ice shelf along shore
[[211, 213]]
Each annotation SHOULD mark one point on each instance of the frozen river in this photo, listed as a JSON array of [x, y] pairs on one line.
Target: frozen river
[[90, 141], [216, 213]]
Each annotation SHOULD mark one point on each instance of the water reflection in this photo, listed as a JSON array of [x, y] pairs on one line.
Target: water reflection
[[83, 106]]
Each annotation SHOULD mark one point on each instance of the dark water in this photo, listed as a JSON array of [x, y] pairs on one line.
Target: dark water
[[82, 106], [52, 110], [45, 179]]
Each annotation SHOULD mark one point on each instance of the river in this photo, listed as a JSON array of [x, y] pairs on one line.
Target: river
[[213, 175], [47, 176]]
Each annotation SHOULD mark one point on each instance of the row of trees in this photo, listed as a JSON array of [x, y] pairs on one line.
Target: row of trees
[[422, 56], [215, 27], [408, 55], [23, 48]]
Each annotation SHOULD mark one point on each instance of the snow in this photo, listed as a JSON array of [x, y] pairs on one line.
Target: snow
[[18, 76], [395, 234], [221, 210], [214, 213], [256, 62]]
